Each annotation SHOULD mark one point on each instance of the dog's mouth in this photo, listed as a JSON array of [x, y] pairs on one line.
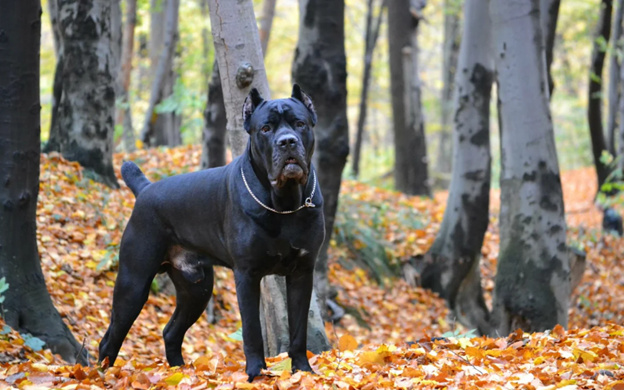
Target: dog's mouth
[[290, 169]]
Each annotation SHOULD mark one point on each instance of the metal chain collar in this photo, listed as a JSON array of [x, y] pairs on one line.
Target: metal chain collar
[[306, 203]]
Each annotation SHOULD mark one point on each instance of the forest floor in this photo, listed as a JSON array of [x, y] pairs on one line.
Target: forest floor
[[387, 345]]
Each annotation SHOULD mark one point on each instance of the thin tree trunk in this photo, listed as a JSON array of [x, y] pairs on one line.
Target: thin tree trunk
[[203, 5], [124, 113], [450, 51], [53, 143], [215, 122], [451, 267], [532, 287], [27, 306], [614, 78], [83, 125], [410, 167], [620, 146], [370, 37], [266, 22], [549, 13], [241, 67], [594, 106], [319, 68], [162, 129]]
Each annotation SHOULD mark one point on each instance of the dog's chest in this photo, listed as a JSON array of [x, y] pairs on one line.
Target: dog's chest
[[284, 257]]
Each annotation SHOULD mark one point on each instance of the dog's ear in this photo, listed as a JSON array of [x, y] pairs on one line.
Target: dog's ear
[[298, 94], [252, 101]]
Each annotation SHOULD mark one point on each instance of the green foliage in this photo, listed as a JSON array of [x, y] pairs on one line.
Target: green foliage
[[237, 335], [32, 342], [456, 334], [611, 190], [359, 226], [4, 286]]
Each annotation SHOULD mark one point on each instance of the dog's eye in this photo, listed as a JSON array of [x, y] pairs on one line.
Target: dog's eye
[[300, 124], [265, 128]]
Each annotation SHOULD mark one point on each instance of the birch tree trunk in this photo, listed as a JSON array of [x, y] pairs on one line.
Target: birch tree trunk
[[241, 67], [452, 265], [549, 13], [83, 126], [532, 287], [124, 113], [594, 106], [410, 166], [370, 37], [614, 78], [320, 68], [450, 50], [162, 129], [27, 306], [215, 122]]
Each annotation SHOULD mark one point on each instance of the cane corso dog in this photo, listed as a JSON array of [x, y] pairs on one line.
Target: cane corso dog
[[262, 214]]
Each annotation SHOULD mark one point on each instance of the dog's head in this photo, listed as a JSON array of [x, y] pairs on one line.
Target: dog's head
[[281, 137]]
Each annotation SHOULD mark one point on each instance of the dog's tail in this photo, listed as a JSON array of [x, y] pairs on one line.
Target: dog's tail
[[134, 177]]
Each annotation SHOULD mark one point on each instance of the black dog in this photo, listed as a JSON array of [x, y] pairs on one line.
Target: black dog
[[260, 215]]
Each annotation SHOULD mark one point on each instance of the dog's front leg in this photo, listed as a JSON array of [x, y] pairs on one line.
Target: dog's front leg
[[299, 293], [248, 295]]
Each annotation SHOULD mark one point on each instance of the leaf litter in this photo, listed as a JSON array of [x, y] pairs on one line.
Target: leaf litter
[[389, 338]]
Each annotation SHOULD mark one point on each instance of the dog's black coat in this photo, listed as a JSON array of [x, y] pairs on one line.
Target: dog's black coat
[[185, 224]]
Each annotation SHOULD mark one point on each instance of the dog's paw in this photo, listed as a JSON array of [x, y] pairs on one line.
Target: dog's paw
[[301, 364], [253, 369]]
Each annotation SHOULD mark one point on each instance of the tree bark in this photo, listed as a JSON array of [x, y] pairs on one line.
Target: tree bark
[[549, 13], [83, 127], [450, 50], [215, 122], [266, 22], [594, 106], [532, 287], [162, 129], [320, 69], [241, 67], [410, 166], [124, 113], [27, 307], [614, 78], [370, 38], [452, 266]]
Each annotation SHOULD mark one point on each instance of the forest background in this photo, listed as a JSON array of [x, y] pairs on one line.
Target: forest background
[[383, 312], [570, 68]]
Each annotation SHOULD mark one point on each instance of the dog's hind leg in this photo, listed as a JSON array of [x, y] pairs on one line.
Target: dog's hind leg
[[191, 301], [140, 257]]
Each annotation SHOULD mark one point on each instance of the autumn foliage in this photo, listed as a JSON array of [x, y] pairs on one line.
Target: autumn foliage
[[394, 335]]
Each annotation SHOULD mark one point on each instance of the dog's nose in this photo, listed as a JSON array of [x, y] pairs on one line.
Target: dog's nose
[[286, 141]]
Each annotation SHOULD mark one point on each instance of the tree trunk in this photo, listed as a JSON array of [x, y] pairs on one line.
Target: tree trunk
[[614, 78], [410, 166], [370, 37], [162, 129], [594, 106], [266, 22], [82, 126], [450, 50], [124, 113], [452, 266], [215, 122], [27, 307], [319, 68], [549, 13], [241, 67], [620, 144], [532, 287]]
